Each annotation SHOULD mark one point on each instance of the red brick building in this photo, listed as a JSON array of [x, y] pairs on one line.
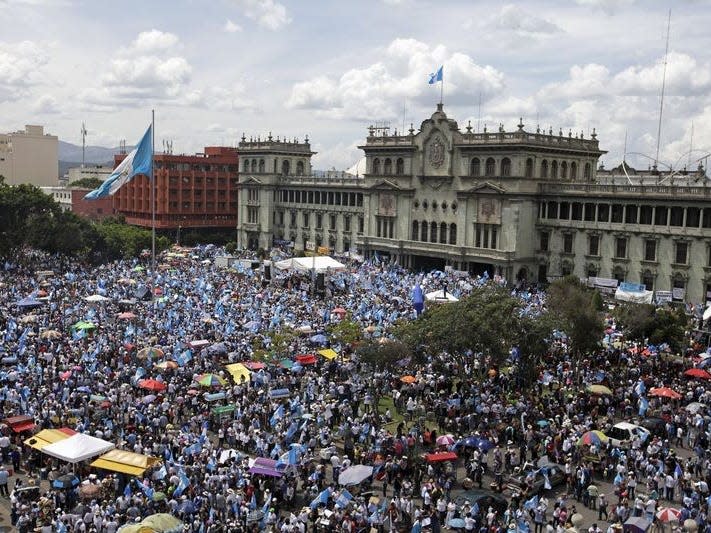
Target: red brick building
[[93, 209], [192, 191]]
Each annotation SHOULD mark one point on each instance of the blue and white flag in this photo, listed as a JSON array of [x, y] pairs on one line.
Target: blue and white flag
[[321, 498], [278, 415], [139, 161], [184, 482], [344, 498], [436, 76]]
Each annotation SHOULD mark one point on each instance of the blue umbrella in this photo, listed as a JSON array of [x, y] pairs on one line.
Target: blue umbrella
[[84, 388], [456, 523], [319, 339], [187, 507]]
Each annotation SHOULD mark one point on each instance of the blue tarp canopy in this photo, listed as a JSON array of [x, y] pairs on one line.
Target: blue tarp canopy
[[28, 302]]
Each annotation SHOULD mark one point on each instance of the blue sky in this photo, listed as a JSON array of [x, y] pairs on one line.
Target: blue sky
[[214, 69]]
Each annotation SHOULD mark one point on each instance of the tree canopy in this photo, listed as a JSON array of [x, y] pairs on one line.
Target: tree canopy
[[86, 183], [643, 322]]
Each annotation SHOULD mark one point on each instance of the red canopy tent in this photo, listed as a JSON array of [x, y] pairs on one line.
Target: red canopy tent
[[306, 359], [254, 365], [440, 457], [20, 423]]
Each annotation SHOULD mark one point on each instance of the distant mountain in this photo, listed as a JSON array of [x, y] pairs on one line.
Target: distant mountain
[[93, 154]]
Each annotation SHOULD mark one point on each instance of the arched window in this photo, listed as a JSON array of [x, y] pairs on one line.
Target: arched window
[[544, 169], [246, 165], [573, 171], [423, 231], [399, 166], [592, 271], [529, 168], [433, 232], [554, 169], [443, 233], [564, 170], [648, 280], [388, 167], [586, 172], [505, 167], [261, 166], [285, 168], [475, 167], [254, 166], [490, 167], [415, 230], [299, 168], [452, 234], [376, 166]]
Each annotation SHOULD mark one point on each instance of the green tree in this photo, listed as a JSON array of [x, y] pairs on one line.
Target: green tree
[[383, 354], [86, 183], [644, 322], [573, 307], [345, 332]]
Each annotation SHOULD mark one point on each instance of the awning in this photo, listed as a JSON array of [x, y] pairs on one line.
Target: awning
[[306, 359], [78, 448], [26, 426], [254, 365], [48, 436], [238, 371], [20, 423], [223, 409], [263, 466], [438, 457], [328, 353], [133, 464]]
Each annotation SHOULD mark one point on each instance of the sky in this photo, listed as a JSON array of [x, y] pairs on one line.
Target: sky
[[213, 70]]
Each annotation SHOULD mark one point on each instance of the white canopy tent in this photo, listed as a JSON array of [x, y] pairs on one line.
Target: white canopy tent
[[78, 448], [440, 296], [321, 263], [97, 298], [638, 297]]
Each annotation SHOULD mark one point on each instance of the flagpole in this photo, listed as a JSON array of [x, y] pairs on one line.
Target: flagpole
[[441, 90], [153, 198]]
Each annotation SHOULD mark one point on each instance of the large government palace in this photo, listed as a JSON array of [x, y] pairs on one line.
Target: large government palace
[[524, 205]]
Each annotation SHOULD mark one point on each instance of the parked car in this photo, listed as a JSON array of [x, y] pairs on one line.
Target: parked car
[[484, 499], [655, 425], [517, 481], [622, 434]]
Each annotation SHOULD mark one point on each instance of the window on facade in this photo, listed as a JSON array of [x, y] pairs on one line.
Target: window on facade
[[485, 236], [564, 211], [554, 169], [285, 168], [332, 222], [577, 211], [573, 171], [433, 232], [490, 167], [566, 269], [529, 168], [592, 271], [552, 210], [603, 212], [376, 166], [293, 220], [415, 230], [660, 215], [254, 166], [676, 216], [253, 195], [617, 212], [564, 170], [361, 224], [252, 215], [544, 169], [453, 235], [281, 217], [706, 218], [388, 167], [567, 243], [630, 214], [587, 172], [400, 166], [307, 217], [299, 168], [319, 221], [618, 273], [347, 224], [245, 165], [692, 217], [621, 247], [423, 231], [650, 250], [475, 167], [505, 167], [543, 245], [594, 245], [589, 212], [443, 233], [648, 280], [681, 253], [261, 166], [645, 214]]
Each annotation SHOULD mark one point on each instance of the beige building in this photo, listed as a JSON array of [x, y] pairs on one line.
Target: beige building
[[87, 171], [527, 205], [29, 156]]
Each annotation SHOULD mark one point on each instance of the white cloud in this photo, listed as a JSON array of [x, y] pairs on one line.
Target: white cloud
[[46, 104], [267, 13], [153, 41], [231, 27], [341, 155], [513, 18], [378, 90], [608, 6], [20, 66]]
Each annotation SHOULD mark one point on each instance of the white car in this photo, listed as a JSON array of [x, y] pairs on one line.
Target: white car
[[623, 434]]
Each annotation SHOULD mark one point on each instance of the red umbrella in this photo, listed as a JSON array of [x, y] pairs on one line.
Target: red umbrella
[[340, 311], [697, 373], [105, 404], [152, 384], [668, 514], [128, 315], [665, 392]]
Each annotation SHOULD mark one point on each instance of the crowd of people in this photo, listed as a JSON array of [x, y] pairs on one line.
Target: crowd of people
[[266, 448]]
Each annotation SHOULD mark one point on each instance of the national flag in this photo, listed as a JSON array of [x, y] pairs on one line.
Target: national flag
[[253, 502], [148, 491], [678, 472], [161, 473], [139, 161], [127, 490], [436, 76], [531, 504], [278, 415], [182, 485], [211, 464], [344, 498], [322, 498]]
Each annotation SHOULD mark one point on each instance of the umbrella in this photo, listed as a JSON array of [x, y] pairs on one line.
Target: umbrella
[[151, 352], [165, 365], [148, 398], [599, 389], [158, 496], [84, 325], [210, 380], [187, 507], [456, 523], [408, 379], [665, 392], [152, 384], [128, 315], [84, 389], [162, 522], [694, 407], [543, 423], [594, 437], [355, 474], [340, 311], [668, 514], [90, 491], [94, 298], [319, 339], [445, 440], [50, 334], [697, 373], [67, 481]]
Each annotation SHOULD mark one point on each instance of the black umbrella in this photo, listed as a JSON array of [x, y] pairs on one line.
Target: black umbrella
[[67, 481]]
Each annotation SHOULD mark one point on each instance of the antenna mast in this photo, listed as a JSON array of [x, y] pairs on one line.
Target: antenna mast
[[478, 118], [664, 80], [83, 144]]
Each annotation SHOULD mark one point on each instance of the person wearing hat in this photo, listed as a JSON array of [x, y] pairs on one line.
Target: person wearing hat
[[602, 507]]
